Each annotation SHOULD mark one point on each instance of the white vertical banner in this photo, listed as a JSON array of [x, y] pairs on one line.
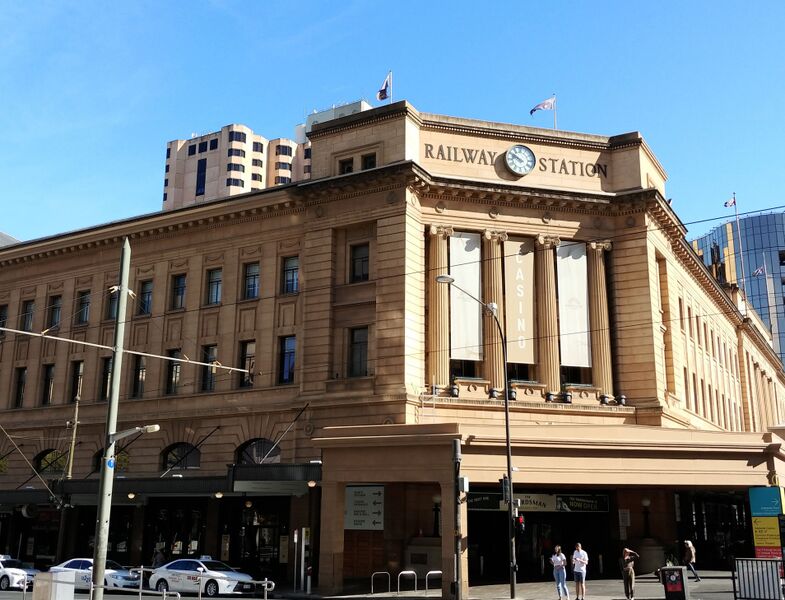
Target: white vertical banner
[[465, 312], [519, 301], [574, 335]]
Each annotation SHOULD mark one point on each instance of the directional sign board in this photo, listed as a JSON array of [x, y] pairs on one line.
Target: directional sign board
[[364, 507]]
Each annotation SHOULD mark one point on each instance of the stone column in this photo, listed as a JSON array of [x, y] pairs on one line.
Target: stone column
[[438, 308], [331, 538], [547, 312], [599, 322], [495, 370]]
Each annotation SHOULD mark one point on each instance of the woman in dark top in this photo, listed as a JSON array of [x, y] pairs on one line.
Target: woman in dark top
[[628, 572]]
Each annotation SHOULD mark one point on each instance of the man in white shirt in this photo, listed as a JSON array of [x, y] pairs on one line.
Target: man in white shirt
[[580, 560]]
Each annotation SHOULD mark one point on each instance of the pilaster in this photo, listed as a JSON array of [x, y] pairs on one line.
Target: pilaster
[[547, 312], [493, 291], [599, 323]]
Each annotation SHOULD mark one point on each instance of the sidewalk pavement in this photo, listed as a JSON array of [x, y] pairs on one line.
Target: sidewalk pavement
[[714, 585]]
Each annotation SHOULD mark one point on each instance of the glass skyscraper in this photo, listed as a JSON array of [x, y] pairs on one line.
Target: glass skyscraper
[[763, 245]]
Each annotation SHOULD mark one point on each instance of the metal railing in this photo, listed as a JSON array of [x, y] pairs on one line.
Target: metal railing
[[408, 574], [427, 575], [381, 573], [758, 579]]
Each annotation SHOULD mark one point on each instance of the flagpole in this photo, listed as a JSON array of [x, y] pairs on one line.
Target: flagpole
[[391, 86], [554, 111], [741, 250]]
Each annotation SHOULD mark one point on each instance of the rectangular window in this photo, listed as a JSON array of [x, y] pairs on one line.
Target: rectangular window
[[247, 359], [236, 136], [209, 355], [19, 388], [358, 352], [47, 384], [214, 281], [77, 373], [368, 161], [164, 196], [235, 167], [307, 153], [203, 146], [166, 182], [82, 307], [235, 182], [106, 377], [286, 360], [3, 318], [282, 150], [258, 147], [256, 176], [257, 162], [201, 176], [169, 152], [290, 280], [359, 263], [251, 281], [345, 166], [236, 152], [145, 298], [111, 306], [306, 168], [214, 144], [139, 374], [178, 292], [191, 149], [55, 311], [26, 318], [283, 166], [166, 170], [279, 179], [173, 372]]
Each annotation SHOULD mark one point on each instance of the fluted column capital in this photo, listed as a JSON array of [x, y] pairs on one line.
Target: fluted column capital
[[601, 246], [547, 242], [443, 231], [490, 234]]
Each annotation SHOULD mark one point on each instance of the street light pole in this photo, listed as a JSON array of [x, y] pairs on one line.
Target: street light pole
[[493, 309]]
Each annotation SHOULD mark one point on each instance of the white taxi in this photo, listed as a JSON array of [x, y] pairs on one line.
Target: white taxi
[[187, 575], [13, 574], [115, 575]]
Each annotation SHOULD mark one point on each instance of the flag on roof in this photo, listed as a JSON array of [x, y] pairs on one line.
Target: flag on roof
[[384, 90], [548, 104], [731, 202]]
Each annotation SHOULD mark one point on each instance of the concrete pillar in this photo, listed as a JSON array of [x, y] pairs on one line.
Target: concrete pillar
[[331, 538], [599, 321], [438, 308], [448, 542], [493, 291], [547, 312]]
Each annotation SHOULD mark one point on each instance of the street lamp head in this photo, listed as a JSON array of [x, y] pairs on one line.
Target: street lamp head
[[151, 428], [445, 279]]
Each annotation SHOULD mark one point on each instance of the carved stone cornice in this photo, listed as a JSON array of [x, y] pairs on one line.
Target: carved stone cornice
[[547, 242]]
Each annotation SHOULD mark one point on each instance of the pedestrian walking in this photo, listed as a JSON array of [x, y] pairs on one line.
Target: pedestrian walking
[[580, 560], [689, 558], [158, 559], [628, 572], [559, 562]]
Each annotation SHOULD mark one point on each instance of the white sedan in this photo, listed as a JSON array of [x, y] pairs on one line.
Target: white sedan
[[215, 577], [115, 574], [13, 574]]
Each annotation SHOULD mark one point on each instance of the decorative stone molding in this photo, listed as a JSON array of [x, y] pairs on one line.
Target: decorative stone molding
[[443, 231], [490, 234], [547, 242], [600, 246]]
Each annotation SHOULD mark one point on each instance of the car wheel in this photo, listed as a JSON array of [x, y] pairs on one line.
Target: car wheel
[[211, 589], [162, 586], [5, 583]]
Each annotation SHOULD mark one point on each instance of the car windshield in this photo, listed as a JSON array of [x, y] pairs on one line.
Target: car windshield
[[110, 564], [215, 565], [12, 564]]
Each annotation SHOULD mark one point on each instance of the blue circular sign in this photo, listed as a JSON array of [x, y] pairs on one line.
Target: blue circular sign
[[110, 463]]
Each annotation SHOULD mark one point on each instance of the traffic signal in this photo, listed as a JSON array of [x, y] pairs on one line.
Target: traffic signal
[[520, 523]]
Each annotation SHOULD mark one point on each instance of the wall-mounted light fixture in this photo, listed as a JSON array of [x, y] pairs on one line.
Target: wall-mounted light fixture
[[311, 483], [567, 397], [494, 393], [513, 394], [219, 495], [622, 400], [455, 391], [131, 495], [604, 399]]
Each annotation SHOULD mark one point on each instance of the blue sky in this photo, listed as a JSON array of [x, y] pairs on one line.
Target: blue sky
[[90, 92]]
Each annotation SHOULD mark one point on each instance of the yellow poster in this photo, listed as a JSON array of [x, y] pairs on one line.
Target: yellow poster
[[766, 531]]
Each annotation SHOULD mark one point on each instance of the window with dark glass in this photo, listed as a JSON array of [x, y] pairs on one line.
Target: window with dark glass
[[47, 384], [345, 166], [283, 150], [307, 169], [77, 373], [358, 352], [290, 275], [145, 298], [55, 311], [256, 176], [247, 358], [359, 262], [164, 196], [368, 161], [3, 318], [236, 152], [235, 167], [258, 451], [168, 153], [178, 292], [257, 162], [283, 166], [191, 149], [203, 146], [279, 179], [106, 377], [258, 147], [173, 372], [214, 144], [307, 153], [26, 317], [251, 281], [19, 388], [50, 461], [201, 176], [286, 360], [235, 182], [166, 170], [214, 282], [209, 355], [166, 182], [139, 374], [237, 136], [111, 306], [181, 456], [82, 307]]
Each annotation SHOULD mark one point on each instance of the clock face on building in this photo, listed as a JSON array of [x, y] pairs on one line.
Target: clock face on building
[[520, 160]]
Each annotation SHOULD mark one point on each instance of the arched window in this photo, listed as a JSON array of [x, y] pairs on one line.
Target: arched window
[[253, 452], [121, 461], [181, 456], [50, 462]]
